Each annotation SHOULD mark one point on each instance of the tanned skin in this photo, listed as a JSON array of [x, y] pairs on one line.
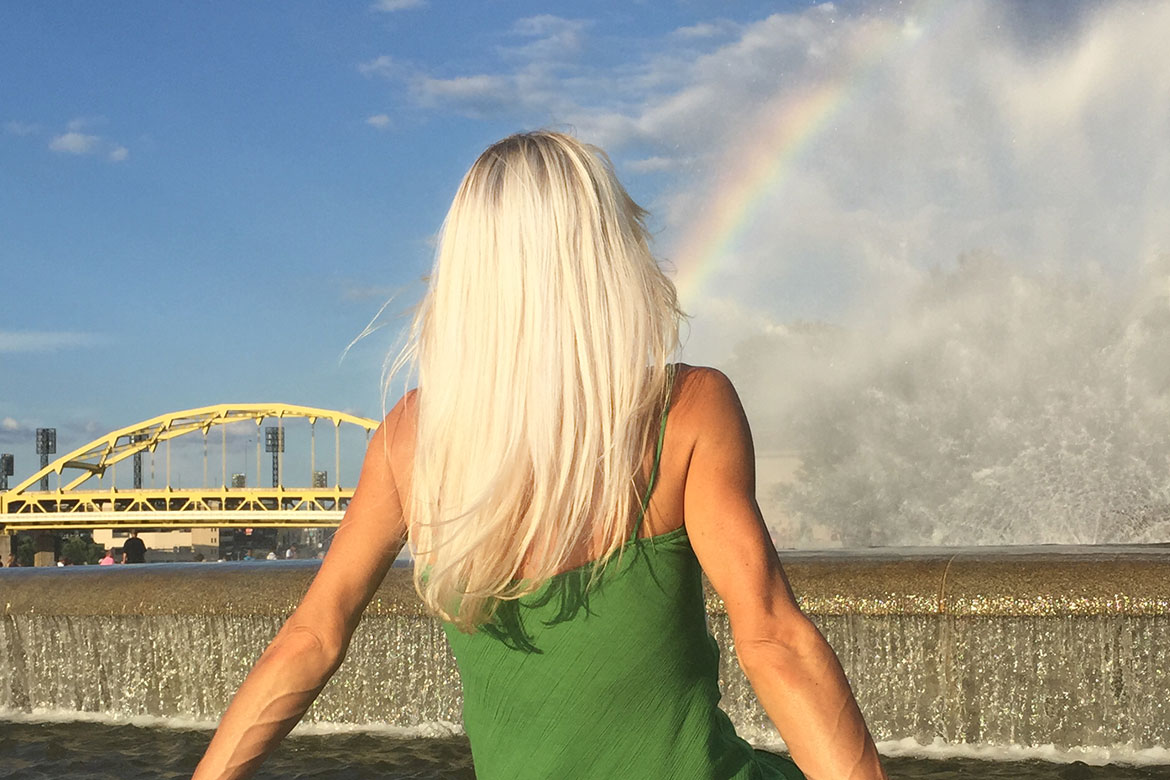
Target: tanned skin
[[706, 480], [794, 672]]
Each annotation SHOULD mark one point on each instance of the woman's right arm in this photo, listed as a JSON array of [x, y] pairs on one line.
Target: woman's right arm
[[313, 641], [795, 673]]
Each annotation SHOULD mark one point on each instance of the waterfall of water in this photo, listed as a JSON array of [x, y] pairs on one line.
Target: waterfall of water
[[995, 405], [1005, 648]]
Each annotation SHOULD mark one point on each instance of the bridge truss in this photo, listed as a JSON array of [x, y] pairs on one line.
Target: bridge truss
[[79, 503]]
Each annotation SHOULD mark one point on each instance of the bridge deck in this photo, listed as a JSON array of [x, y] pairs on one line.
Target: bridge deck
[[175, 508]]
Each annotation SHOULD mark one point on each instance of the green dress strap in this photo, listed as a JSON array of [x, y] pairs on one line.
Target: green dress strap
[[606, 677], [657, 462]]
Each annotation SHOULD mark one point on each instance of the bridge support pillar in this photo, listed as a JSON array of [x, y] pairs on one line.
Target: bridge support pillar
[[46, 551], [7, 543]]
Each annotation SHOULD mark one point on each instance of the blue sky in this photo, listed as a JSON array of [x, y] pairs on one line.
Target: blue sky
[[206, 202]]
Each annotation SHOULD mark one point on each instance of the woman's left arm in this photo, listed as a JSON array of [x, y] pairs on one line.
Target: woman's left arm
[[313, 641]]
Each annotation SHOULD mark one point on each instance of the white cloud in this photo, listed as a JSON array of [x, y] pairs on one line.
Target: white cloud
[[74, 142], [543, 25], [380, 121], [551, 37], [541, 74], [43, 341], [15, 432], [69, 432], [384, 66], [702, 30], [389, 6], [21, 128], [843, 175], [653, 164], [469, 91]]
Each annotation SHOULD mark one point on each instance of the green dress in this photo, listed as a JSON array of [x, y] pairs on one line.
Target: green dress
[[618, 679]]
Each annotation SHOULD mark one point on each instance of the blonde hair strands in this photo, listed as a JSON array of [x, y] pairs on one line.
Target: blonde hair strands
[[541, 350]]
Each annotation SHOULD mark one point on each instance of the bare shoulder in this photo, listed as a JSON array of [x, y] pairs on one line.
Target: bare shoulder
[[701, 385], [705, 401], [404, 412], [399, 430]]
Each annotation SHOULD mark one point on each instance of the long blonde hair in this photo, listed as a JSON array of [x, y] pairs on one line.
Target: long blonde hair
[[541, 350]]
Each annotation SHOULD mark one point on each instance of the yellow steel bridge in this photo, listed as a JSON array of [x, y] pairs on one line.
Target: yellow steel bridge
[[79, 502]]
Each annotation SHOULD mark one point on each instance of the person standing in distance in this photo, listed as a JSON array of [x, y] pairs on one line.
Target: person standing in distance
[[134, 550]]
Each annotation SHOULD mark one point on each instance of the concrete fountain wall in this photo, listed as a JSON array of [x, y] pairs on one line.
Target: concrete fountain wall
[[1010, 646]]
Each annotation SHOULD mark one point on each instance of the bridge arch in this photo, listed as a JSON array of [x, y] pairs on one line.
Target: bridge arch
[[93, 459]]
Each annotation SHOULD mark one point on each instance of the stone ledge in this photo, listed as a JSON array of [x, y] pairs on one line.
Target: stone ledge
[[971, 582]]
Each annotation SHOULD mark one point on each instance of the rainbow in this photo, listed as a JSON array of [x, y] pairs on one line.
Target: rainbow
[[784, 129]]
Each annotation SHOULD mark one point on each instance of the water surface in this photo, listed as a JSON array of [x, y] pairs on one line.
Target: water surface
[[100, 751]]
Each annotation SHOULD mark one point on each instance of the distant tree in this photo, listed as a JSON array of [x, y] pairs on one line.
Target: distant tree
[[80, 549], [26, 550]]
